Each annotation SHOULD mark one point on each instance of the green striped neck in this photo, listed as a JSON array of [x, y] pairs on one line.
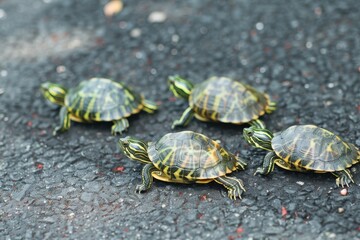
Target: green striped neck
[[258, 137], [180, 87], [53, 92], [134, 149]]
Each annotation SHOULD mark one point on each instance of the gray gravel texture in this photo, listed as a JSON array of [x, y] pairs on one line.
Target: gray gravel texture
[[305, 54]]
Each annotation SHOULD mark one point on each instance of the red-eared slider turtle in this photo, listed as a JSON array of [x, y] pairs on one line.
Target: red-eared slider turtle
[[185, 157], [96, 100], [305, 148], [221, 99]]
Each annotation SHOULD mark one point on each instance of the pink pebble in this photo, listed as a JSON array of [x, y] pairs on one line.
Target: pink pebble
[[344, 191]]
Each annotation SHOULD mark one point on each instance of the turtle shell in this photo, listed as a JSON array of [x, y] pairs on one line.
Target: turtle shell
[[225, 100], [190, 156], [100, 99], [309, 147]]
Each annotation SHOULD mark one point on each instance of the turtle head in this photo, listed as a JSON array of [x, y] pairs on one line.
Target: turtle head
[[134, 149], [180, 87], [53, 92], [258, 137]]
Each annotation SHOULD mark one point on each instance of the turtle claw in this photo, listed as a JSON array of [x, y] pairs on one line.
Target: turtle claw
[[54, 133], [57, 130], [260, 171], [233, 193], [175, 124], [115, 132], [119, 126], [343, 181], [343, 178], [140, 188]]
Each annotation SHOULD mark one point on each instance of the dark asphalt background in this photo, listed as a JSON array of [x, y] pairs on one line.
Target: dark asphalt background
[[305, 54]]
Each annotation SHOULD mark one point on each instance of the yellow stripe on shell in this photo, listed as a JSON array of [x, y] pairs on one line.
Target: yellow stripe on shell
[[89, 109], [297, 163], [308, 166], [177, 173]]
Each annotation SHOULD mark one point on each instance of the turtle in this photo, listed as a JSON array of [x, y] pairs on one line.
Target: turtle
[[96, 100], [185, 157], [221, 99], [305, 148]]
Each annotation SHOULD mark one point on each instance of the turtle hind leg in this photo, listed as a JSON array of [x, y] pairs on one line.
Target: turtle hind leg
[[149, 106], [343, 177], [147, 178], [119, 126], [234, 186], [271, 107], [240, 163], [257, 123], [65, 121], [185, 118]]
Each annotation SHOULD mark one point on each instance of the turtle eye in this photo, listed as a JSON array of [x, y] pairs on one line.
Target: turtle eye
[[124, 142], [249, 133]]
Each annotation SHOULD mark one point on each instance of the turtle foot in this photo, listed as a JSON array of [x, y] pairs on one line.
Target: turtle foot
[[260, 171], [140, 188]]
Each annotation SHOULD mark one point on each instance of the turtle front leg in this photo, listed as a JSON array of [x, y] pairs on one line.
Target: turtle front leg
[[234, 186], [186, 117], [268, 164], [257, 123], [64, 121], [119, 126], [147, 178], [343, 177]]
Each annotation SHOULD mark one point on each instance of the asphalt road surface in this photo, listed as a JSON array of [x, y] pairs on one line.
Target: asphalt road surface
[[78, 185]]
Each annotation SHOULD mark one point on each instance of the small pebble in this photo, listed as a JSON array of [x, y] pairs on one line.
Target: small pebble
[[300, 183], [157, 17], [175, 38], [3, 73], [174, 51], [318, 11], [2, 13], [60, 69], [259, 26], [135, 33], [123, 25], [341, 210], [113, 7], [344, 192], [331, 85]]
